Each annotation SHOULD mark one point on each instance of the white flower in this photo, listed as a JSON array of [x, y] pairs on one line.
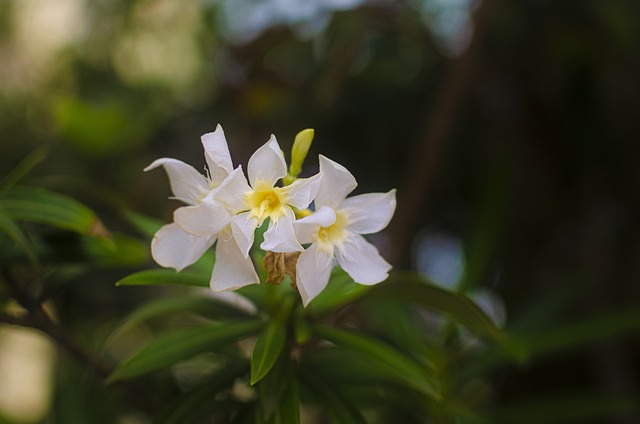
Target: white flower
[[205, 219], [252, 204], [335, 229]]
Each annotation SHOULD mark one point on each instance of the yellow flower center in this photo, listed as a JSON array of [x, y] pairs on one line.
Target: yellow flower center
[[333, 234], [266, 201]]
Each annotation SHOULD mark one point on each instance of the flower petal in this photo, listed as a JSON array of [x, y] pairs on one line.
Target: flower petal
[[267, 164], [280, 236], [203, 220], [216, 152], [187, 184], [232, 191], [336, 183], [232, 269], [302, 191], [312, 272], [371, 212], [173, 248], [361, 260], [244, 226], [306, 228]]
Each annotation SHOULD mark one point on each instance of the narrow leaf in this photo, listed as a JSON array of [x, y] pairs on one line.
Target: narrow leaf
[[341, 290], [178, 346], [331, 398], [565, 408], [587, 331], [14, 232], [199, 403], [270, 343], [288, 411], [412, 289], [202, 306], [146, 225], [164, 277], [23, 168], [398, 365], [46, 207], [266, 350]]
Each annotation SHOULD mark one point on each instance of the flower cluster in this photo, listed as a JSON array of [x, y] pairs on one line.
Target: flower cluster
[[225, 209]]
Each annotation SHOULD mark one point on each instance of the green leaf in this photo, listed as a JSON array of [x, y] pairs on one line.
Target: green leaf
[[163, 277], [206, 307], [565, 408], [46, 207], [288, 411], [387, 358], [332, 399], [587, 331], [340, 291], [412, 289], [267, 349], [118, 250], [146, 225], [23, 168], [199, 403], [14, 232], [178, 346]]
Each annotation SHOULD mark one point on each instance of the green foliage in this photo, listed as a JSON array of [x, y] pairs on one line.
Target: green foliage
[[42, 206], [164, 277], [174, 347]]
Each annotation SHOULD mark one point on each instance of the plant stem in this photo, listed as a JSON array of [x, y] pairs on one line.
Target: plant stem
[[38, 319]]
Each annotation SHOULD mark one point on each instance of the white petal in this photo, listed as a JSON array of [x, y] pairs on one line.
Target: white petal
[[267, 164], [216, 152], [204, 220], [302, 191], [361, 260], [312, 272], [371, 212], [336, 183], [244, 226], [280, 236], [232, 269], [306, 228], [187, 184], [173, 248], [232, 191]]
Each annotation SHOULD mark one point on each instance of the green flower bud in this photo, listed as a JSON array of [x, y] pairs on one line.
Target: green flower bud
[[299, 151]]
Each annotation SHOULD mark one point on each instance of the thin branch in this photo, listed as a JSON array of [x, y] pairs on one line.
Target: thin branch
[[38, 319], [424, 160]]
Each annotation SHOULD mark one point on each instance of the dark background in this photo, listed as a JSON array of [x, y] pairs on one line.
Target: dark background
[[510, 129]]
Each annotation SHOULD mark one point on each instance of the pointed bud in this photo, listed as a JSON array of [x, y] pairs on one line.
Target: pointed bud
[[299, 152]]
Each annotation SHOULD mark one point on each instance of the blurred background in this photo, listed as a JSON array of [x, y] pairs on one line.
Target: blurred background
[[511, 130]]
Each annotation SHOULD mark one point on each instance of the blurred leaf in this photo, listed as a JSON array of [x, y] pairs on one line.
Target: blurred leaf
[[14, 232], [288, 412], [587, 331], [412, 289], [203, 306], [340, 291], [332, 400], [175, 347], [144, 224], [267, 349], [23, 168], [164, 277], [386, 357], [118, 250], [565, 408], [201, 402], [46, 207], [103, 127]]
